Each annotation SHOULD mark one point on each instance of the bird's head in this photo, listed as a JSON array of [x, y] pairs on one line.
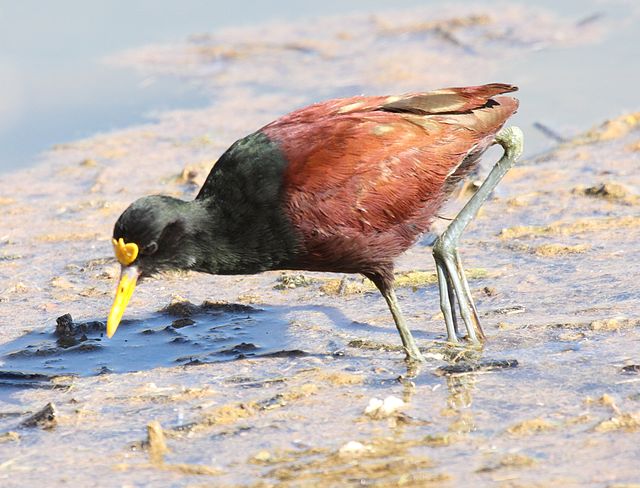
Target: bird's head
[[149, 236]]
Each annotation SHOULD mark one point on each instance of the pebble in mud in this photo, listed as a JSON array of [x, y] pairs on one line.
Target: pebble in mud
[[631, 369], [46, 418], [353, 448]]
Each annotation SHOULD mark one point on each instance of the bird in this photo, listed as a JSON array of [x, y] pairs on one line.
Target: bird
[[345, 185]]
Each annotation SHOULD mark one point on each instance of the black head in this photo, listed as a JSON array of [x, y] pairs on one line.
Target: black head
[[158, 226]]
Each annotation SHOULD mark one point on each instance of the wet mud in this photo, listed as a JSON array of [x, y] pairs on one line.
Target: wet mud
[[281, 379]]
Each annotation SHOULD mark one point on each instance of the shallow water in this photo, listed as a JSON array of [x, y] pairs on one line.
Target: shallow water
[[269, 384]]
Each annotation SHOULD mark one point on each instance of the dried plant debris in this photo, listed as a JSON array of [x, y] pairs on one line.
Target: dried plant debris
[[531, 426], [379, 461], [337, 378], [311, 381], [570, 228], [10, 436], [509, 461], [551, 249], [181, 307], [374, 346], [613, 192], [611, 129], [9, 257], [158, 450], [181, 468], [628, 422], [615, 323], [633, 147], [620, 421], [445, 25], [288, 281], [511, 310], [475, 367], [156, 444], [406, 279], [195, 174], [631, 369]]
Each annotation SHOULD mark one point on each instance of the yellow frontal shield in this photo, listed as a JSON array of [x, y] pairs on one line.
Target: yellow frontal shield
[[126, 285], [125, 253]]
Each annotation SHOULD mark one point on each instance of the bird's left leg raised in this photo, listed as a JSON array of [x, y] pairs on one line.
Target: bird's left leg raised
[[452, 281]]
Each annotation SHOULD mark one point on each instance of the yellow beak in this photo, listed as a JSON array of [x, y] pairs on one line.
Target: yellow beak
[[128, 279]]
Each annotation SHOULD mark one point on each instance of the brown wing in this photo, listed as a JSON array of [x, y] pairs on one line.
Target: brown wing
[[378, 167]]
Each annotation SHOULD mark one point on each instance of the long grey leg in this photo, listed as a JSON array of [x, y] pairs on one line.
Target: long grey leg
[[446, 303], [445, 248], [452, 301], [467, 291], [385, 285], [408, 342]]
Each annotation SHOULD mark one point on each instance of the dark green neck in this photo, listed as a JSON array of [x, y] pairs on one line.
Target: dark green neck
[[245, 241], [240, 212]]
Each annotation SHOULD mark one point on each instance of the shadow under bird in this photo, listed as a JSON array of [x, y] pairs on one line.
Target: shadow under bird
[[343, 186]]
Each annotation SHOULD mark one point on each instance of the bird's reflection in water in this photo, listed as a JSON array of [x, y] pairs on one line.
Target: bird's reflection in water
[[459, 402], [459, 399]]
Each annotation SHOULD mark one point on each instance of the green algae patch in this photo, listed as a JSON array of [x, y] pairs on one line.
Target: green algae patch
[[439, 440], [628, 422], [10, 436], [619, 421], [612, 324], [373, 345], [385, 461], [610, 129], [612, 192], [288, 281], [552, 249], [532, 426], [406, 279], [509, 461], [570, 228]]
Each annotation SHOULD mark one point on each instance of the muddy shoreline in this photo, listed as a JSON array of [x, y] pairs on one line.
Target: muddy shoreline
[[265, 380]]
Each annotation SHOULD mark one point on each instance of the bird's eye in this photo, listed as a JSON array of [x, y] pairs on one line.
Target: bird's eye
[[150, 248]]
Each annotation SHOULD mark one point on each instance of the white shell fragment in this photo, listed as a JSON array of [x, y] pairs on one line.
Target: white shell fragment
[[383, 408], [353, 448]]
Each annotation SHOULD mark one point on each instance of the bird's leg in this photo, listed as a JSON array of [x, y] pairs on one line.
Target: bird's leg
[[465, 287], [408, 342], [389, 294], [446, 304], [452, 300], [448, 264]]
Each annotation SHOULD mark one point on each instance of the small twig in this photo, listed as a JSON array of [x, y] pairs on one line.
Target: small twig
[[550, 133], [590, 19]]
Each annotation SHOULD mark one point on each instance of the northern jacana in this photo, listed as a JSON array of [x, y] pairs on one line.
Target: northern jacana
[[342, 186]]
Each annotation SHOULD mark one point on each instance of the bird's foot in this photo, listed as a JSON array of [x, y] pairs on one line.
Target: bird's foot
[[455, 288]]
